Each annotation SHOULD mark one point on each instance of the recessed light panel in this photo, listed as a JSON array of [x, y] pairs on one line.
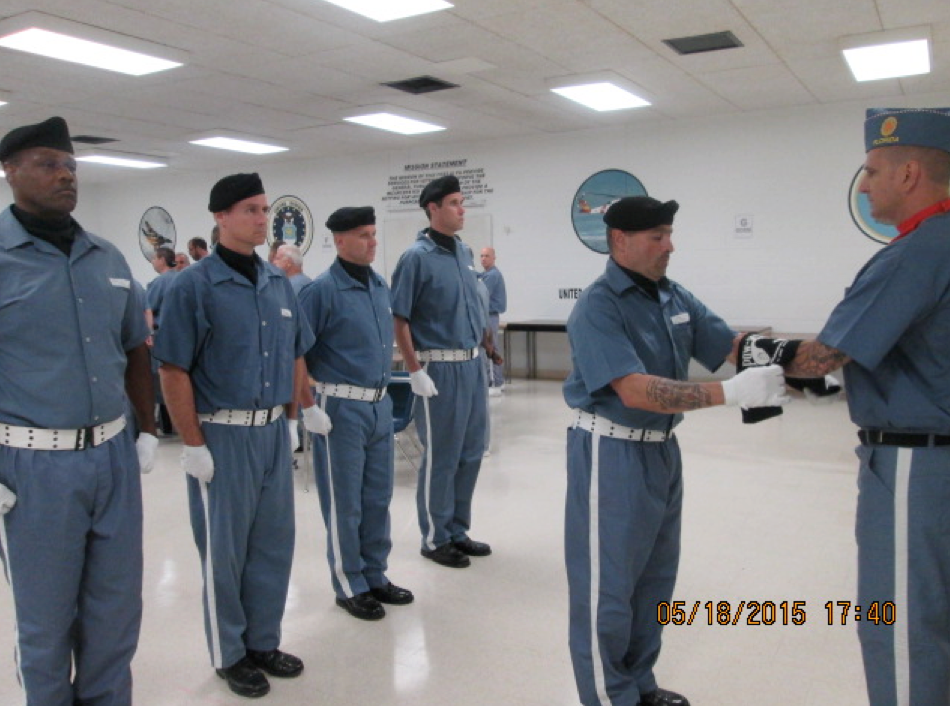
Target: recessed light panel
[[893, 60], [601, 96], [82, 51], [230, 143], [386, 10], [120, 161], [394, 123]]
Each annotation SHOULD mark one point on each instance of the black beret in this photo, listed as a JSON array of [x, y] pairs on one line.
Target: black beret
[[634, 213], [438, 189], [350, 217], [231, 189], [52, 133]]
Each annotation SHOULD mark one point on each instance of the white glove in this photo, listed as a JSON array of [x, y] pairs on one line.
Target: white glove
[[145, 446], [756, 387], [316, 421], [294, 435], [7, 499], [196, 461], [814, 398], [422, 384]]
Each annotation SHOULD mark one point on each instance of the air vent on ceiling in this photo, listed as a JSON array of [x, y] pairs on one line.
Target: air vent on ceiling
[[703, 43], [421, 84], [93, 140]]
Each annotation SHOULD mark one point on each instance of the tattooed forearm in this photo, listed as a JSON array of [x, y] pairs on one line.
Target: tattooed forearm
[[675, 396], [815, 360]]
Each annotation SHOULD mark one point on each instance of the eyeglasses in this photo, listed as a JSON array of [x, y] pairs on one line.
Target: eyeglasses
[[51, 166]]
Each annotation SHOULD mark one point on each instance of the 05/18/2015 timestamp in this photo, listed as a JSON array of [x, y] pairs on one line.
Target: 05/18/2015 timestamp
[[757, 613]]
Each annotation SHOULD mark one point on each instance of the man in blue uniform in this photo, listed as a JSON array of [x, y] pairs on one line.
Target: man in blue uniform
[[163, 262], [891, 332], [231, 344], [348, 309], [497, 305], [632, 334], [439, 324], [72, 355]]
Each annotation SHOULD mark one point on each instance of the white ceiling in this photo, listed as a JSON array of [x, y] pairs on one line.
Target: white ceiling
[[286, 70]]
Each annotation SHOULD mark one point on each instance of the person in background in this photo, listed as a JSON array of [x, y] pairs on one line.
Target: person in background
[[497, 305], [198, 248], [290, 260], [72, 359], [181, 261]]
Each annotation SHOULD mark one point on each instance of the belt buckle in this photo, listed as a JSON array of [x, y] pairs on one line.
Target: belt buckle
[[84, 438], [378, 394]]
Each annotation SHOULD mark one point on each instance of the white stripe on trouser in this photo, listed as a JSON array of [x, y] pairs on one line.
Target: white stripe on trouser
[[430, 535], [593, 503], [9, 574], [216, 659], [334, 527], [905, 457]]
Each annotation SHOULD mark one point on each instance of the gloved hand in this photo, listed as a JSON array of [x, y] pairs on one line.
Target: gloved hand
[[196, 461], [7, 499], [756, 387], [294, 435], [755, 351], [316, 421], [145, 447], [422, 384], [818, 391]]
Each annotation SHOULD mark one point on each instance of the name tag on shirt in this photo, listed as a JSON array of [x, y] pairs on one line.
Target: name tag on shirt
[[286, 312], [680, 318], [124, 283]]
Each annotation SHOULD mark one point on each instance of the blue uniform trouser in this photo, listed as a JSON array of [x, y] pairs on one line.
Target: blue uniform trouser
[[497, 377], [250, 504], [453, 451], [903, 533], [353, 466], [72, 551], [622, 545]]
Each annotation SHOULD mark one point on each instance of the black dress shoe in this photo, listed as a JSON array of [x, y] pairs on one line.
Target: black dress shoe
[[392, 594], [471, 547], [363, 606], [662, 697], [276, 663], [244, 679], [447, 555]]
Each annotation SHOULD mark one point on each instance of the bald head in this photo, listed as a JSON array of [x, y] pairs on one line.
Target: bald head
[[488, 258]]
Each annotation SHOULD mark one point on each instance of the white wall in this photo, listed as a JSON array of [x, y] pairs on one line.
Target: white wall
[[790, 169]]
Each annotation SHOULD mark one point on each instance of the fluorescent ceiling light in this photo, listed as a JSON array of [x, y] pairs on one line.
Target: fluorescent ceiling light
[[601, 96], [235, 145], [386, 10], [893, 60], [120, 161], [394, 123], [82, 51]]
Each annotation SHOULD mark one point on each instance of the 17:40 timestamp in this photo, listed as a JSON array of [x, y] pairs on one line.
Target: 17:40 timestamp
[[876, 612]]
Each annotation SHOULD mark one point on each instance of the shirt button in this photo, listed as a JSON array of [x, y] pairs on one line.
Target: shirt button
[[95, 379], [263, 323], [79, 300], [266, 384], [96, 418], [88, 339], [266, 354]]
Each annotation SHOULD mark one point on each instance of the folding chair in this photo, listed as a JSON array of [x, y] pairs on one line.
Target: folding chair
[[400, 390]]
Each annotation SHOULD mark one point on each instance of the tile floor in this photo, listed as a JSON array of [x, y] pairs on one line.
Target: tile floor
[[768, 518]]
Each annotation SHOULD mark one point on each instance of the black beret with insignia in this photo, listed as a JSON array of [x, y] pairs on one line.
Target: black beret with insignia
[[52, 133], [438, 189], [634, 213], [350, 217], [231, 189]]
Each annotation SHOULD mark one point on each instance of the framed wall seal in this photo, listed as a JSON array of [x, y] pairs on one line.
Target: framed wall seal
[[291, 223]]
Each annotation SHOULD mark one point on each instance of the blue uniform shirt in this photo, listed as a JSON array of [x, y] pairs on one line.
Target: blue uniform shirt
[[894, 323], [498, 302], [436, 292], [65, 328], [616, 329], [237, 341], [155, 293], [299, 281], [353, 325]]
